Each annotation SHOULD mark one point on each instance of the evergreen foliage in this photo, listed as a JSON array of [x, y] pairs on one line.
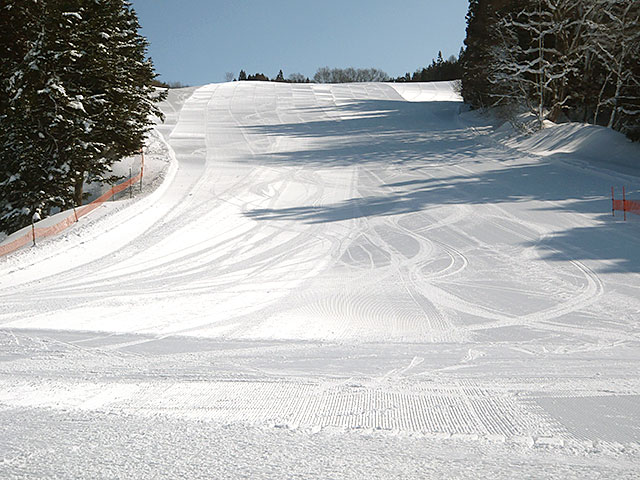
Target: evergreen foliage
[[39, 125], [167, 85], [440, 70], [482, 36], [77, 96], [261, 77]]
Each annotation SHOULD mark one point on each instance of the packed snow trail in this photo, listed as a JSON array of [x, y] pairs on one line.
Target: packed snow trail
[[336, 256], [333, 213]]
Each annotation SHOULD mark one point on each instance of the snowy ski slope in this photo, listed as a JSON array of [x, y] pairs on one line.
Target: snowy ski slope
[[340, 261]]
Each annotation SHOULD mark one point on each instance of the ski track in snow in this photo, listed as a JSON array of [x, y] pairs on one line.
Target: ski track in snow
[[350, 257]]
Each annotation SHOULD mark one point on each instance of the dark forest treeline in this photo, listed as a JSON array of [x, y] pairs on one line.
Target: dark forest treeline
[[563, 59], [161, 84], [439, 70], [323, 75], [261, 77]]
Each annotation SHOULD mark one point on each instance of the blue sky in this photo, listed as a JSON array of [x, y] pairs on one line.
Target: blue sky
[[197, 41]]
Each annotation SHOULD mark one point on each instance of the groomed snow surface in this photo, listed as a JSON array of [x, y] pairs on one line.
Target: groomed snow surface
[[335, 281]]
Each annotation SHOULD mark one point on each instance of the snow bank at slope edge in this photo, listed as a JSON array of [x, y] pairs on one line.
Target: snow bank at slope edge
[[428, 91]]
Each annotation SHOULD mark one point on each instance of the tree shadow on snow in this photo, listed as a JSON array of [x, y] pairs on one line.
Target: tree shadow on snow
[[445, 163]]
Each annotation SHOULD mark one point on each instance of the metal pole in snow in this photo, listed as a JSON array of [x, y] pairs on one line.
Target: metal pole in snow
[[141, 167], [624, 204], [613, 203], [130, 186], [34, 219]]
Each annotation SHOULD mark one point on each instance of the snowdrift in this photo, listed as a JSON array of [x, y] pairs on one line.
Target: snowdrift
[[592, 143]]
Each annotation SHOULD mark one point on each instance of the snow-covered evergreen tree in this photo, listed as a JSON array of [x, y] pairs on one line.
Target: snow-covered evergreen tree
[[76, 96], [482, 37], [38, 127], [117, 87]]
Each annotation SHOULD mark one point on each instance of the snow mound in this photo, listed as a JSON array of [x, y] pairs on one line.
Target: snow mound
[[582, 141], [428, 92]]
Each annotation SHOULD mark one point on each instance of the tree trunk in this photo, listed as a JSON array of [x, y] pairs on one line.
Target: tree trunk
[[556, 112], [542, 72], [616, 98], [600, 95]]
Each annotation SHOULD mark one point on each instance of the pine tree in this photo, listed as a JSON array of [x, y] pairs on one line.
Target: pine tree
[[39, 126], [482, 18], [117, 86], [77, 96]]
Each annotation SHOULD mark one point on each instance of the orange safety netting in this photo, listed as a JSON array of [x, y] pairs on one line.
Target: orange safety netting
[[41, 232], [624, 205], [618, 205], [632, 206]]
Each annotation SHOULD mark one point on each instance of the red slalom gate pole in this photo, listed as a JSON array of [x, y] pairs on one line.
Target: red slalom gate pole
[[613, 203], [624, 204]]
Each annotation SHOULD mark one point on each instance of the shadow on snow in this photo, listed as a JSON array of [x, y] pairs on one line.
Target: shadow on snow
[[447, 163]]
